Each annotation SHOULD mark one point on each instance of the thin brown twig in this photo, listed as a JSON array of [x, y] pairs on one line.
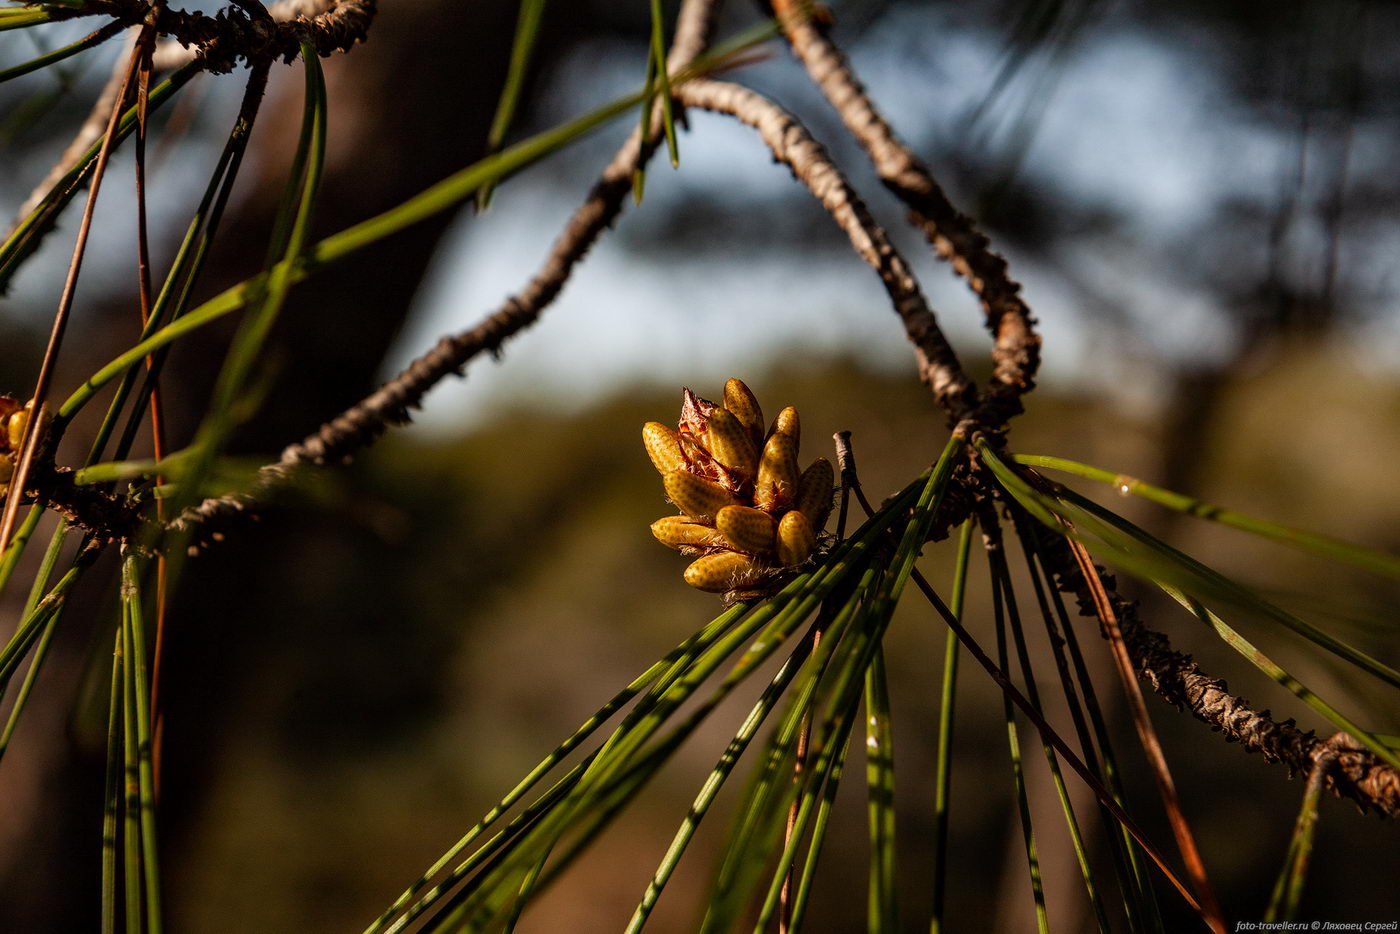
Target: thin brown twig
[[1358, 776], [1016, 348], [793, 146], [88, 133], [1152, 747], [107, 517], [171, 54], [144, 287], [143, 244], [33, 433], [330, 25], [390, 404], [222, 41], [790, 143]]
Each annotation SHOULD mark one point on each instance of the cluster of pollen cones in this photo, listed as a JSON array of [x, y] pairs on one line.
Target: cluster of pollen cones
[[14, 418], [746, 510]]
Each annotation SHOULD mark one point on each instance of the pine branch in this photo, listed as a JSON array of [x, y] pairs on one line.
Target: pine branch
[[1356, 774], [1016, 350], [358, 426]]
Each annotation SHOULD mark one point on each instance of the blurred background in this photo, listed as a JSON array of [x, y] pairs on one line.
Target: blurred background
[[1200, 199]]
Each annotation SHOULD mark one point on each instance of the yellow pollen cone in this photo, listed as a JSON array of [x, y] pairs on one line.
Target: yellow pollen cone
[[795, 539], [787, 424], [683, 532], [776, 485], [746, 529], [697, 498], [730, 443], [663, 447], [814, 491], [740, 400], [726, 570]]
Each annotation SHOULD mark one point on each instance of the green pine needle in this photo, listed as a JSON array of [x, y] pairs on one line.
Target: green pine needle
[[1316, 543], [527, 30], [57, 55], [1129, 547], [1018, 775], [943, 773], [437, 198], [25, 238], [882, 906]]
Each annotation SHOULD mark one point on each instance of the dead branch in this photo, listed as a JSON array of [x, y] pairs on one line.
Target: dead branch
[[1356, 775], [171, 54], [221, 41], [1016, 348], [794, 147], [391, 403], [790, 143]]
